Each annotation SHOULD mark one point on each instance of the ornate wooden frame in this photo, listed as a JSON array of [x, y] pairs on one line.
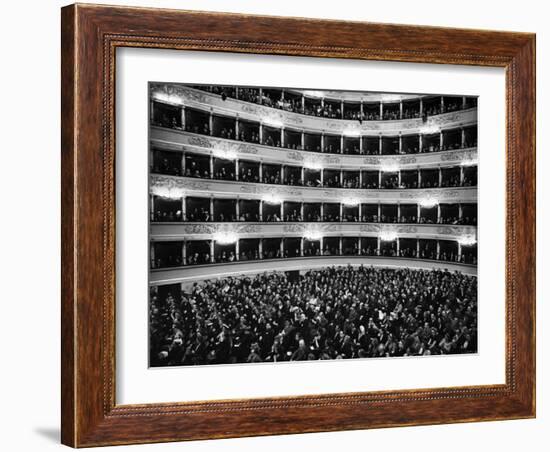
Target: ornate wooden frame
[[90, 36]]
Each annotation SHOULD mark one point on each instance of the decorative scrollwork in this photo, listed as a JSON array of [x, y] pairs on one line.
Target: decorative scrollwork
[[168, 184], [407, 229], [223, 145], [438, 193], [448, 118], [249, 229], [459, 155], [252, 189], [249, 108], [293, 155], [369, 228], [198, 229], [293, 228], [332, 228], [329, 160], [407, 160], [200, 141], [193, 95], [371, 161], [450, 230]]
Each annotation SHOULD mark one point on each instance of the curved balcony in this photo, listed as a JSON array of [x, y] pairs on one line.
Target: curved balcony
[[202, 231], [181, 141], [177, 186], [205, 245], [192, 274], [180, 95]]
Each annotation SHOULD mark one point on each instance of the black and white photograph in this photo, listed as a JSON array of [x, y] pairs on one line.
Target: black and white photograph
[[249, 226], [294, 224]]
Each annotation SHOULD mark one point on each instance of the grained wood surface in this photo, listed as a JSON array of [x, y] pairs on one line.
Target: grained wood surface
[[90, 36]]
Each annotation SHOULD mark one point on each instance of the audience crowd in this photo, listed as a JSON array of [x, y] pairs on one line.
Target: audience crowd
[[332, 313], [292, 102], [271, 174], [252, 135], [202, 214]]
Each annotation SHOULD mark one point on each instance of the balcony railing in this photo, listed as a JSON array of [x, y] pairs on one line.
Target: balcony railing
[[206, 259], [176, 140], [441, 116], [205, 231], [193, 273], [295, 101], [175, 187]]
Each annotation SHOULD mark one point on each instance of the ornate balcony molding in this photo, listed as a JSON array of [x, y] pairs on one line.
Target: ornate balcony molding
[[176, 187], [205, 231], [176, 140], [175, 94], [353, 96], [193, 273]]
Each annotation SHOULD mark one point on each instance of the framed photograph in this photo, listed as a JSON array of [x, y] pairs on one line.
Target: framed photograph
[[281, 225]]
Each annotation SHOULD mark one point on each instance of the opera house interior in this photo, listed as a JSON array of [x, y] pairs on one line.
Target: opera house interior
[[294, 224]]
